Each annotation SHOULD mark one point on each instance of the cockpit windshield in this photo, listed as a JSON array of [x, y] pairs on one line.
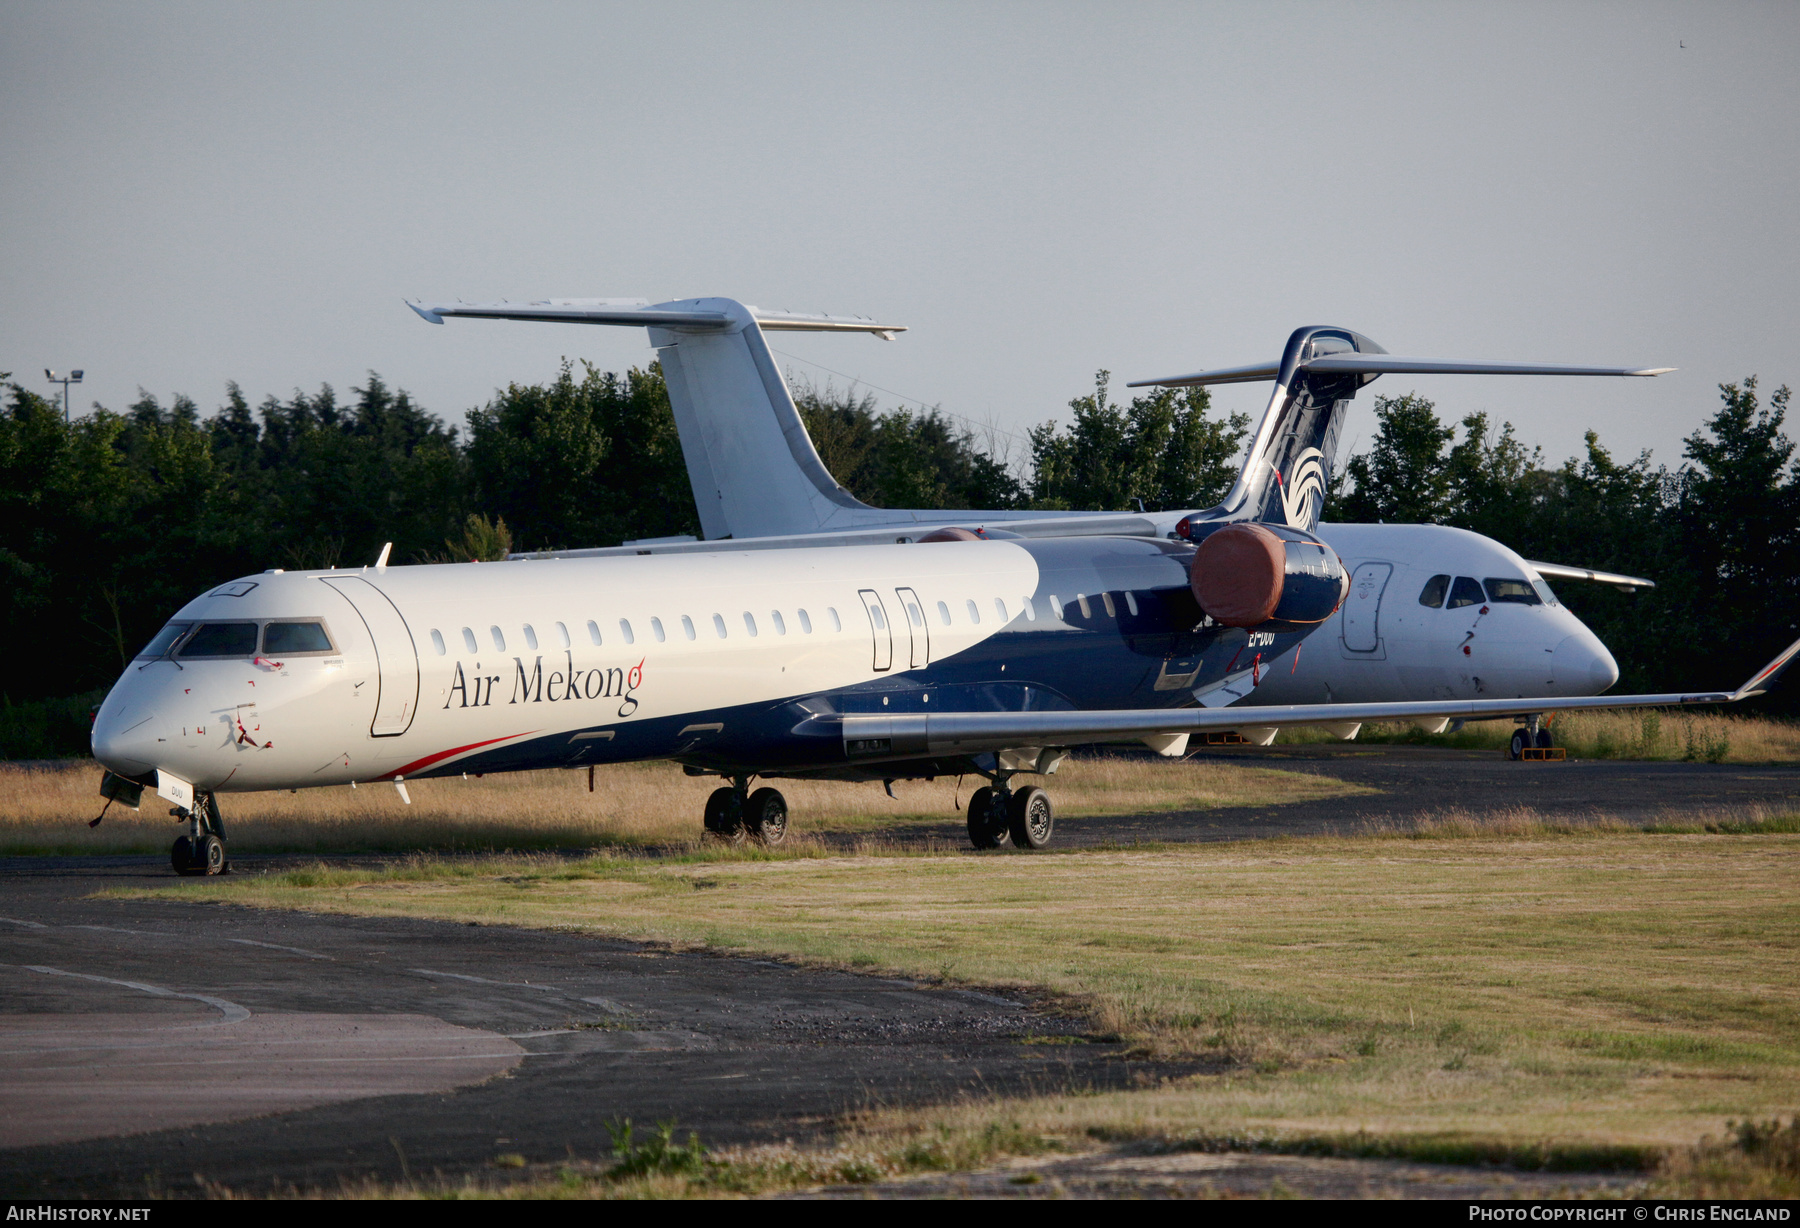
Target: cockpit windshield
[[290, 638], [164, 641], [221, 640], [1517, 592]]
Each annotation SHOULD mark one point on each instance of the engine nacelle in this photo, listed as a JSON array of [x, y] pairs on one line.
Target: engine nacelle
[[1267, 576]]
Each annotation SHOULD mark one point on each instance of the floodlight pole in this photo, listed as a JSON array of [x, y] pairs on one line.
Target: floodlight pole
[[73, 377]]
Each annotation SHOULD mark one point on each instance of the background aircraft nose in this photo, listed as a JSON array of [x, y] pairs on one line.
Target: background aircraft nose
[[1584, 666], [124, 739]]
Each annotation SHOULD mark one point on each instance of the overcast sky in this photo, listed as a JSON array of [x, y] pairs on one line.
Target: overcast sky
[[195, 193]]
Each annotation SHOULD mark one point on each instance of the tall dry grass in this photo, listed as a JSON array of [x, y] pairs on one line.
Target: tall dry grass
[[636, 804], [1653, 734]]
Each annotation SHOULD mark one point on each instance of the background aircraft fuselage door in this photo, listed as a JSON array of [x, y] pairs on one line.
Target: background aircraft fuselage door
[[913, 610], [1362, 608], [397, 657], [879, 629]]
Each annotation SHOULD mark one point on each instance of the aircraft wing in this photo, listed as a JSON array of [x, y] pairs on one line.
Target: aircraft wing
[[906, 735], [1556, 571], [1383, 364]]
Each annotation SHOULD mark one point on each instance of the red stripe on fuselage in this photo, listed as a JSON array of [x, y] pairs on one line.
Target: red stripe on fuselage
[[428, 760]]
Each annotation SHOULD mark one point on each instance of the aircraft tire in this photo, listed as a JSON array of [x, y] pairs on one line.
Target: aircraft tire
[[1031, 818], [1521, 739], [1544, 741], [209, 857], [766, 817], [181, 857], [724, 816], [987, 819]]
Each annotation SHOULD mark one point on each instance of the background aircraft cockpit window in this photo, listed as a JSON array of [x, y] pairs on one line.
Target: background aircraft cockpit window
[[837, 624], [164, 641], [719, 625], [469, 640], [1515, 592], [687, 626], [562, 635], [625, 630], [750, 622], [290, 638], [221, 640], [1544, 590], [805, 622], [780, 623], [974, 613], [437, 641], [1464, 592], [656, 630], [1433, 593], [499, 640], [530, 637], [593, 631]]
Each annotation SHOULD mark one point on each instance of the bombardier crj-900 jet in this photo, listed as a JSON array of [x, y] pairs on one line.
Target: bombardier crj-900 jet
[[852, 651]]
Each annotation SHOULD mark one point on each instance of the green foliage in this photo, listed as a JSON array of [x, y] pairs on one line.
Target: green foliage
[[1161, 449], [658, 1155], [902, 458]]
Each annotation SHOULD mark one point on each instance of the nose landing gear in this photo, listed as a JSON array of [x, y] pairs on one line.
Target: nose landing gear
[[202, 850]]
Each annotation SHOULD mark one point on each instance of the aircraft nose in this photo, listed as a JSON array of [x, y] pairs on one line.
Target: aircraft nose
[[1584, 666], [124, 738]]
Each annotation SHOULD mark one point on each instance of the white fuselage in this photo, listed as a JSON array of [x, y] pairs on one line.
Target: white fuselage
[[1383, 645]]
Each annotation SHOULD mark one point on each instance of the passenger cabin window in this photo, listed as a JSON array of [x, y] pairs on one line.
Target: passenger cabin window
[[656, 630], [499, 640], [687, 626], [1131, 602], [1513, 592], [469, 641], [780, 624], [875, 617], [913, 615], [1030, 610], [1464, 592], [625, 630], [437, 641], [530, 637], [943, 614], [1433, 593], [221, 640], [719, 625], [805, 622], [562, 635], [974, 613], [1082, 601], [593, 631], [1000, 609], [290, 638], [1055, 606], [1107, 601], [749, 622], [165, 640], [831, 613]]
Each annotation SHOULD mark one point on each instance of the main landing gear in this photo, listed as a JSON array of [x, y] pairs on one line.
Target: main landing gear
[[999, 815], [202, 850], [1532, 735], [734, 814]]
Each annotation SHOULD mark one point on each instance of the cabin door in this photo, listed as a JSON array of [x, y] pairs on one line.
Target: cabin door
[[881, 632], [396, 655], [1362, 608]]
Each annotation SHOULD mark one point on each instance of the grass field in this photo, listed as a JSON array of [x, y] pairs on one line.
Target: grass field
[[632, 805], [1704, 737], [1580, 996]]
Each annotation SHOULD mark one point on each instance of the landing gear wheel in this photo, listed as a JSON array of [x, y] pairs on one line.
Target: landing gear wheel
[[1031, 818], [209, 858], [766, 817], [725, 815], [1521, 742], [1544, 741], [988, 819], [181, 855]]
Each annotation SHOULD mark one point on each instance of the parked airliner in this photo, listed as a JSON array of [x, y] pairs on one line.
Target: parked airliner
[[949, 652]]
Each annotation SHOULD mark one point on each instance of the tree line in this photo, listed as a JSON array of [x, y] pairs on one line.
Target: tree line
[[111, 522]]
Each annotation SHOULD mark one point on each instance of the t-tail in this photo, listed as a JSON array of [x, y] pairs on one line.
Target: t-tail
[[1293, 458]]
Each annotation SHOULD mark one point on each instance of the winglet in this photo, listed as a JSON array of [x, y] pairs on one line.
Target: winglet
[[425, 313], [1760, 681]]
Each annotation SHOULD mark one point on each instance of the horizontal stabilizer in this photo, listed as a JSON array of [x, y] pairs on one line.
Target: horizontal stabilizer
[[1384, 364], [1556, 571], [640, 313]]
